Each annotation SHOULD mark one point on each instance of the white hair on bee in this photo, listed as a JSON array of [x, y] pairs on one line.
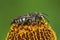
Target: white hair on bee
[[20, 20]]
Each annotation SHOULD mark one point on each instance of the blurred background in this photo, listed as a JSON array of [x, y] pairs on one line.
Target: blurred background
[[9, 9]]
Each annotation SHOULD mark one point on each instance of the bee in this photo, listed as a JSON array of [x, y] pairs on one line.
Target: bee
[[38, 29], [29, 18]]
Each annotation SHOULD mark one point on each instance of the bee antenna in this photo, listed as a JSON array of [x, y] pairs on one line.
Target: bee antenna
[[44, 14], [46, 18]]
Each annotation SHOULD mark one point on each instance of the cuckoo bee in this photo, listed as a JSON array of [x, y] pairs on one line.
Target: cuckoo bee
[[29, 18]]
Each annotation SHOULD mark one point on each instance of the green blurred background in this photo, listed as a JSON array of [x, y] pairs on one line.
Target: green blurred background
[[10, 9]]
